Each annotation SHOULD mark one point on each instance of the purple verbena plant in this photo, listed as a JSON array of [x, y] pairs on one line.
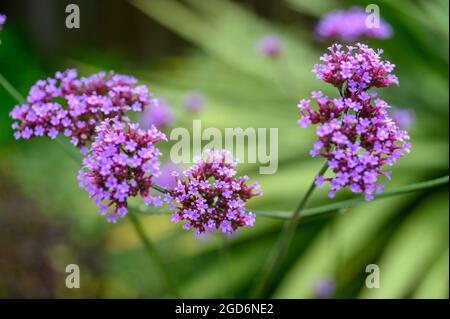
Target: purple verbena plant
[[355, 133], [359, 67]]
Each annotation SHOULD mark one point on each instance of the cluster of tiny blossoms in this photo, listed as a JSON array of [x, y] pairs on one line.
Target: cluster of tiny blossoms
[[359, 68], [209, 197], [355, 134], [351, 25], [121, 158], [122, 163], [74, 106]]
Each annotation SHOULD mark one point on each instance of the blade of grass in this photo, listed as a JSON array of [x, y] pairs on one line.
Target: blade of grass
[[276, 259], [412, 250]]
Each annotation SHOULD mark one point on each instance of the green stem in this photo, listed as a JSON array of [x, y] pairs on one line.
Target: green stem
[[226, 264], [72, 152], [322, 210], [11, 90], [160, 189], [153, 253], [276, 259]]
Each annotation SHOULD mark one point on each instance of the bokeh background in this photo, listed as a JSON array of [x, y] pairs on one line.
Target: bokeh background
[[47, 222]]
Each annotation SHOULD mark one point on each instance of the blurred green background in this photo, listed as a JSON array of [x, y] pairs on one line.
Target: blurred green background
[[47, 222]]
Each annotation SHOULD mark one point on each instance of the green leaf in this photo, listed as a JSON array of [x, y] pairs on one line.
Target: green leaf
[[418, 241], [435, 284]]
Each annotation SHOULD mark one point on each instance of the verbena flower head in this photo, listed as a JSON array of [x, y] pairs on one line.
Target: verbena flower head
[[194, 101], [356, 136], [74, 106], [122, 163], [2, 21], [358, 67], [351, 25], [160, 114], [209, 197], [269, 46]]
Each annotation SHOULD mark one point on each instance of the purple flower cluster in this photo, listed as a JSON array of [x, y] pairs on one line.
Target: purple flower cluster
[[269, 46], [121, 158], [355, 134], [359, 67], [209, 197], [74, 106], [2, 21], [351, 25], [122, 163]]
